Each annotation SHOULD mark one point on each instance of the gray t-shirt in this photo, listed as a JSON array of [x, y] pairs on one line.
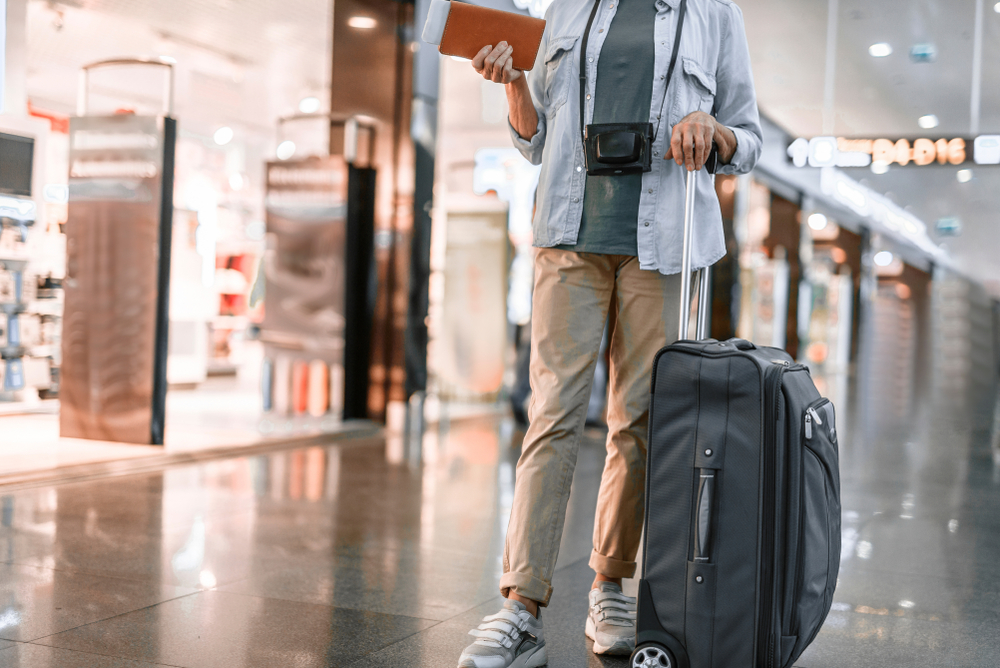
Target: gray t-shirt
[[624, 92]]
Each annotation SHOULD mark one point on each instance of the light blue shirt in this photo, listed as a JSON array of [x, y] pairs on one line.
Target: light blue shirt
[[712, 74]]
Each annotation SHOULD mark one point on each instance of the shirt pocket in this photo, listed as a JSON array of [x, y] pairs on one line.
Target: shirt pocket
[[696, 90], [559, 71]]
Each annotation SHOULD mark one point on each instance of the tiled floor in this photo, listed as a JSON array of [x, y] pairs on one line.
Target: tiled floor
[[370, 553]]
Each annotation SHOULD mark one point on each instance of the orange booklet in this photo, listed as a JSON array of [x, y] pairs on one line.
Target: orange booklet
[[461, 29]]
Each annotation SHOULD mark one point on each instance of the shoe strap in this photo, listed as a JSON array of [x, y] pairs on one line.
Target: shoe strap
[[498, 637], [508, 616], [603, 595]]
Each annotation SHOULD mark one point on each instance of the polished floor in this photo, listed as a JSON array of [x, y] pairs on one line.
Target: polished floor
[[383, 553]]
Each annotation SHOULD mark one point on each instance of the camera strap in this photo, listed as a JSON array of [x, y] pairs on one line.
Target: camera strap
[[666, 84]]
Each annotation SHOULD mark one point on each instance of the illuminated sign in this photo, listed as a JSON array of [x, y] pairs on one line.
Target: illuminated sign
[[843, 152]]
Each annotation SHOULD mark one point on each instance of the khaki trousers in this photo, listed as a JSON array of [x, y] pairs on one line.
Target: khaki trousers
[[573, 297]]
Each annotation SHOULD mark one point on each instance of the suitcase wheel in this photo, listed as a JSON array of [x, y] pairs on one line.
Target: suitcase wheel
[[652, 655]]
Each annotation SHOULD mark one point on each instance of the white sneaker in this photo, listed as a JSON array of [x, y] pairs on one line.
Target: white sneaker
[[512, 638], [611, 622]]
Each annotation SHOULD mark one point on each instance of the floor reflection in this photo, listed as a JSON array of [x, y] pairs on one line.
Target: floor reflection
[[385, 552]]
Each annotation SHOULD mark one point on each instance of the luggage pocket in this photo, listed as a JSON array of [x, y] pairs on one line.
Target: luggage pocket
[[819, 553]]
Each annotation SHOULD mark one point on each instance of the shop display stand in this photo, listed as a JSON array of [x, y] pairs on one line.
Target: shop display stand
[[30, 319], [320, 221]]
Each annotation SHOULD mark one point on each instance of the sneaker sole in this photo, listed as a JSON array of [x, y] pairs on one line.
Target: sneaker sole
[[533, 659], [620, 648], [536, 659]]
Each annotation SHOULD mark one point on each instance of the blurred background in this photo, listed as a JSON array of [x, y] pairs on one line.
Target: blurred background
[[273, 261], [349, 233]]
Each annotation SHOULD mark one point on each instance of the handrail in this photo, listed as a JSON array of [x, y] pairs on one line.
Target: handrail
[[156, 61], [351, 122]]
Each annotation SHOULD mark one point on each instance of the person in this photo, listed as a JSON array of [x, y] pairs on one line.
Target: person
[[608, 244]]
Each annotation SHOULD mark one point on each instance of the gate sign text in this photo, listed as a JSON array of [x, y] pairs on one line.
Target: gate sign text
[[843, 152]]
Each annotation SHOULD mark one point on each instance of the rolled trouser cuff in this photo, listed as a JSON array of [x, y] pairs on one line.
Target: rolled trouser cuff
[[526, 585], [611, 567]]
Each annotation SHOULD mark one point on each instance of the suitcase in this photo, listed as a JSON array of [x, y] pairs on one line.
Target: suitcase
[[741, 548]]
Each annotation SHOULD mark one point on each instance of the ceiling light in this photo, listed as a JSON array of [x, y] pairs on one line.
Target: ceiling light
[[883, 258], [817, 221], [996, 8], [906, 604], [236, 181], [362, 22], [223, 135], [880, 50], [964, 175], [309, 105], [286, 149], [880, 167], [928, 122]]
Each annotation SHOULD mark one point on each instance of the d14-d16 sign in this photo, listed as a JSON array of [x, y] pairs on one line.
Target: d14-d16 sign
[[843, 152]]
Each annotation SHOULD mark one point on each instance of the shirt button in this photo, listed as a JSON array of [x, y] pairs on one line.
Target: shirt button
[[588, 97], [650, 191], [661, 76], [601, 30], [579, 168], [590, 59], [577, 199], [646, 224]]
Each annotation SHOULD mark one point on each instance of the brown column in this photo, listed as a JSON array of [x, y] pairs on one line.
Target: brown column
[[786, 231], [371, 75]]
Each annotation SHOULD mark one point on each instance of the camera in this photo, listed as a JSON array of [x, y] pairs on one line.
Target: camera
[[618, 148]]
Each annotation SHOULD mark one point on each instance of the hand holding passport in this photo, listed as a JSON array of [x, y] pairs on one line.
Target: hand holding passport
[[462, 29]]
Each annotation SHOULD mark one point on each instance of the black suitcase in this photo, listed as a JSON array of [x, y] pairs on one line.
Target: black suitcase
[[742, 531]]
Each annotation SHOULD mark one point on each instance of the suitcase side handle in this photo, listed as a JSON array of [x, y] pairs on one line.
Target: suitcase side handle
[[703, 516]]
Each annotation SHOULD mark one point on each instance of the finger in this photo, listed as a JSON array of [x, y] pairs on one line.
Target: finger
[[480, 59], [699, 150], [508, 70], [669, 154], [497, 51], [501, 66], [689, 149], [676, 151]]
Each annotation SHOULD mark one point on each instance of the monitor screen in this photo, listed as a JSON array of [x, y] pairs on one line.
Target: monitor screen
[[15, 164]]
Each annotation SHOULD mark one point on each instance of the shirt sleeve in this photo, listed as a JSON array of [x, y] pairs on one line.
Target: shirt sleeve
[[736, 100], [532, 149]]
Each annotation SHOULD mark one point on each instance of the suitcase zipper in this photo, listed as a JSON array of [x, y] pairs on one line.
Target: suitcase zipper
[[765, 639]]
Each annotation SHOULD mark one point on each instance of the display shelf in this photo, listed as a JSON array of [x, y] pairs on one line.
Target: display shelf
[[53, 307], [12, 352]]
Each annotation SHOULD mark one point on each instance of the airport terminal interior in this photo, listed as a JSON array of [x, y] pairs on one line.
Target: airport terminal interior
[[266, 306]]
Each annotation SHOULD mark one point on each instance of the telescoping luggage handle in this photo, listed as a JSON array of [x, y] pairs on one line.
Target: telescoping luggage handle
[[704, 274], [168, 82]]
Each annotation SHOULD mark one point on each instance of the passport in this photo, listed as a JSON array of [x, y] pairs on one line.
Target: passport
[[462, 29]]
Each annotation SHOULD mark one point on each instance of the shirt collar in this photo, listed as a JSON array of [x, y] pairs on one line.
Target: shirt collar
[[673, 4]]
